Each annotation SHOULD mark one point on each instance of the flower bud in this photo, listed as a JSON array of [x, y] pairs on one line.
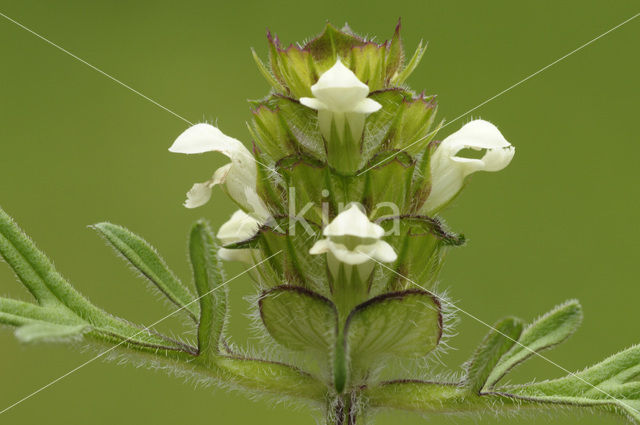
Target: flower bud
[[448, 170], [238, 178]]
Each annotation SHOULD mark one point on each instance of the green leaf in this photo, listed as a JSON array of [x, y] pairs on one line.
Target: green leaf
[[494, 345], [399, 324], [212, 294], [39, 275], [18, 313], [145, 258], [547, 331], [299, 319], [59, 303], [30, 264], [38, 332], [608, 383]]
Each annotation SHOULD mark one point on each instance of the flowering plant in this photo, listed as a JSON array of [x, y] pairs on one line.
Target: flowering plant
[[338, 226]]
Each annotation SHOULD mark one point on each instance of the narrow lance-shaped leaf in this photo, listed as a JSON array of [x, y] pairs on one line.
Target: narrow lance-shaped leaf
[[37, 332], [146, 259], [30, 264], [18, 313], [549, 330], [39, 275], [608, 383], [212, 294], [59, 302], [497, 342]]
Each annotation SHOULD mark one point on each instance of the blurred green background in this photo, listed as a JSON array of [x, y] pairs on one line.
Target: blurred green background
[[76, 148]]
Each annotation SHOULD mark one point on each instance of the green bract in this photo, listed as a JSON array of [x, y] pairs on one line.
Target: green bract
[[338, 228]]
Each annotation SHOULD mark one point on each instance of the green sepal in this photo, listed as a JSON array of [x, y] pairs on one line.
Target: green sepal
[[413, 131], [299, 319], [369, 62], [421, 180], [326, 191], [145, 258], [343, 151], [382, 198], [299, 70], [269, 133], [332, 44], [302, 127], [405, 324], [212, 291], [266, 73], [294, 69], [306, 179], [495, 344], [547, 331], [421, 243], [402, 76], [404, 123], [343, 190], [282, 126], [48, 332], [269, 183], [395, 54], [294, 265], [380, 126]]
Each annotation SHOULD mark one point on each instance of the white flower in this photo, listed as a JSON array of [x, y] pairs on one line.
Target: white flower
[[355, 241], [339, 96], [448, 171], [240, 227], [238, 178]]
